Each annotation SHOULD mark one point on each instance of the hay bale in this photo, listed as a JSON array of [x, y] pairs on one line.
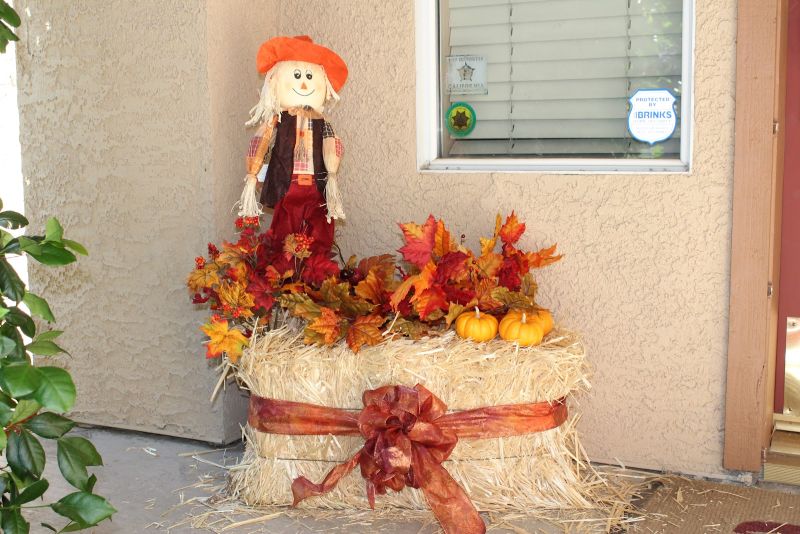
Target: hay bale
[[542, 470]]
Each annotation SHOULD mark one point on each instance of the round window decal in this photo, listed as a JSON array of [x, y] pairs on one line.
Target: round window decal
[[460, 119]]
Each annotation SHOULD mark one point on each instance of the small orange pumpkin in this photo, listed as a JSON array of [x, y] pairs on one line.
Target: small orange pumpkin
[[476, 326], [538, 315], [516, 327]]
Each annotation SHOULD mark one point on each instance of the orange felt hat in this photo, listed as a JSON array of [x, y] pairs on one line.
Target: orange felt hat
[[302, 48]]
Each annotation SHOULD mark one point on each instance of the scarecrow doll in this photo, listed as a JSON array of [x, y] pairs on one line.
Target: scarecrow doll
[[295, 141]]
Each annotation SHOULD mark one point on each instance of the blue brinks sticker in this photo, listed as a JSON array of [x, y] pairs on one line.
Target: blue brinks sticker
[[652, 117]]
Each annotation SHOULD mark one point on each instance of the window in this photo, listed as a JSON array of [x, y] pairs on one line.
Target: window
[[559, 85]]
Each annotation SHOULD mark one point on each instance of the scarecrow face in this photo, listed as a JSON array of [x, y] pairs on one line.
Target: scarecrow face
[[301, 84]]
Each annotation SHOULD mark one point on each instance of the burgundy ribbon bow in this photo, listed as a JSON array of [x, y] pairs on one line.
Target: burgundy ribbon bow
[[408, 434]]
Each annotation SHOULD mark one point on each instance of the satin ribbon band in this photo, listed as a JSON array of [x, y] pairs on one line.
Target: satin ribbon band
[[408, 434]]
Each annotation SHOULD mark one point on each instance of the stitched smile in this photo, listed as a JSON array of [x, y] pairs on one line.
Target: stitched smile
[[301, 94]]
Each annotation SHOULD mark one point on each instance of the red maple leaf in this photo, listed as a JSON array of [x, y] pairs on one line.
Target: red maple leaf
[[428, 301], [451, 266], [262, 292], [317, 269], [512, 229], [419, 241]]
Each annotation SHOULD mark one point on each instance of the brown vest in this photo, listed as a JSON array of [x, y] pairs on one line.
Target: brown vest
[[281, 162]]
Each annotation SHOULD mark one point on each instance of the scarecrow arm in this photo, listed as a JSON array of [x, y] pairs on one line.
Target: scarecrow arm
[[332, 152], [259, 147]]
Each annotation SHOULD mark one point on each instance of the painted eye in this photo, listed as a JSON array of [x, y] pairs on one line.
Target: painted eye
[[309, 75], [297, 74]]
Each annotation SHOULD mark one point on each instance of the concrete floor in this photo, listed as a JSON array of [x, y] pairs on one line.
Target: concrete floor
[[147, 477]]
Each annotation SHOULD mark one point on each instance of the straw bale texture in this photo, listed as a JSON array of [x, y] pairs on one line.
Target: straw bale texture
[[543, 470]]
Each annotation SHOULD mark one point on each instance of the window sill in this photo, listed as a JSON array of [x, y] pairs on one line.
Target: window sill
[[555, 166]]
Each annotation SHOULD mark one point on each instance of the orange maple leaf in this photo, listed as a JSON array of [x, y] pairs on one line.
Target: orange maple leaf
[[484, 298], [429, 301], [207, 277], [236, 296], [420, 282], [511, 230], [543, 257], [442, 240], [383, 265], [328, 324], [419, 241], [223, 340], [489, 264], [365, 330], [372, 288]]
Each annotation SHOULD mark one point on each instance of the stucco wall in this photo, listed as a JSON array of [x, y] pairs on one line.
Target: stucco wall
[[647, 267], [129, 114]]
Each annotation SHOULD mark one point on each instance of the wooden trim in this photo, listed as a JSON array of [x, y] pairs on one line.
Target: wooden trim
[[750, 384]]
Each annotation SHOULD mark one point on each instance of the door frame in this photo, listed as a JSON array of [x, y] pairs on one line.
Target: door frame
[[755, 240]]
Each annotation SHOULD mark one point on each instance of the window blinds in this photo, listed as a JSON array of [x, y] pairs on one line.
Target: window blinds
[[560, 73]]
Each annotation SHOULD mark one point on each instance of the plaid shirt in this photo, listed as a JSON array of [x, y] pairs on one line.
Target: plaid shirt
[[262, 141]]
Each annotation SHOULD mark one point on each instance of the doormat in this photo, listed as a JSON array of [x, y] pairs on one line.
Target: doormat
[[686, 506]]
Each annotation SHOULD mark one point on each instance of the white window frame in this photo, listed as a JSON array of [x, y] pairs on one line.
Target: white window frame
[[430, 114]]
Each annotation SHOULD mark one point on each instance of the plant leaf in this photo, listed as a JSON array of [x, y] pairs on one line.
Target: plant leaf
[[301, 306], [12, 220], [57, 390], [44, 348], [8, 14], [84, 508], [419, 241], [49, 335], [53, 254], [25, 454], [24, 409], [13, 522], [7, 346], [38, 306], [75, 247], [223, 339], [10, 284], [365, 330], [53, 230], [32, 492], [20, 379], [19, 318], [74, 454], [328, 325], [453, 311], [49, 425]]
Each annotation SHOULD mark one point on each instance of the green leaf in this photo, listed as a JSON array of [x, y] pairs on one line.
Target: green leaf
[[3, 311], [19, 318], [75, 246], [18, 351], [3, 440], [49, 335], [49, 527], [74, 454], [20, 379], [32, 492], [25, 408], [7, 346], [8, 14], [6, 414], [30, 245], [10, 284], [44, 348], [49, 425], [25, 454], [52, 254], [53, 230], [57, 390], [84, 508], [12, 220], [38, 306], [14, 523], [6, 35]]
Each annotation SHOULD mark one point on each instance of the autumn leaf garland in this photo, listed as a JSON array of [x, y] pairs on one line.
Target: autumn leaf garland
[[362, 300]]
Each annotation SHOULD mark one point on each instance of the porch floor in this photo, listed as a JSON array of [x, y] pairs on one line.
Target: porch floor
[[152, 481]]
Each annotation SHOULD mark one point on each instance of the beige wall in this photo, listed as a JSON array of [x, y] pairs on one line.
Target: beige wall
[[141, 150], [647, 267], [132, 133]]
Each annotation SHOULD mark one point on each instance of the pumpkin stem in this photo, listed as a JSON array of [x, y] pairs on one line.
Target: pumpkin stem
[[524, 317], [477, 313]]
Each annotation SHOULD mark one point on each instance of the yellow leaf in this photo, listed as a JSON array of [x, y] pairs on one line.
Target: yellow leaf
[[487, 245], [453, 312], [365, 330], [328, 324], [442, 240], [489, 264], [223, 340], [206, 277], [236, 296]]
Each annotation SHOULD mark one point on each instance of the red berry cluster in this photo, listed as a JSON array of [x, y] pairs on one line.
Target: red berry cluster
[[242, 222], [199, 262], [303, 242], [213, 251]]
